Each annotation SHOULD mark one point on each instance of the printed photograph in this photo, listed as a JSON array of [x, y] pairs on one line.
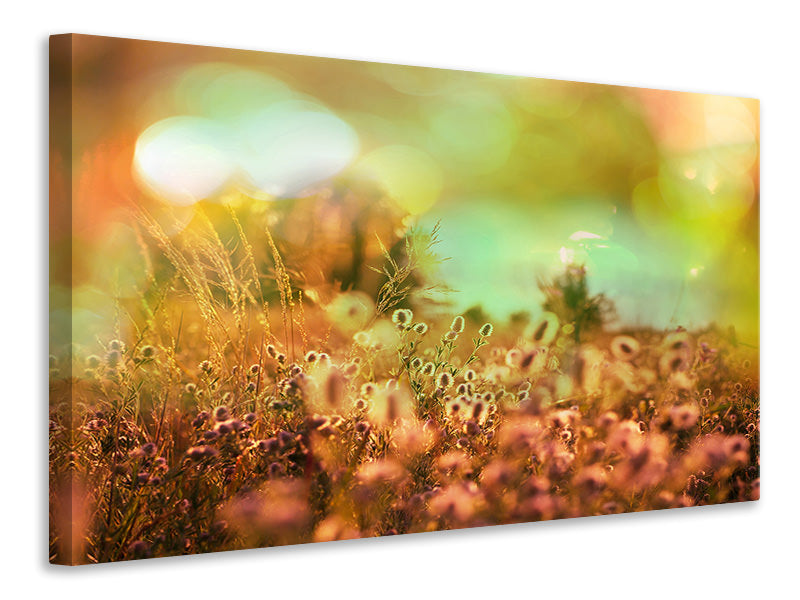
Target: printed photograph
[[298, 299]]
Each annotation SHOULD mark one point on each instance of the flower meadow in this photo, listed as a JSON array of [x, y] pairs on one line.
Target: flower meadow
[[243, 400]]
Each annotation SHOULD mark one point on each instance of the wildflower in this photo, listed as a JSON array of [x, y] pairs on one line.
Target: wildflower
[[457, 326], [113, 358], [268, 445], [421, 328], [93, 361], [679, 340], [224, 427], [402, 317], [149, 449], [369, 389], [470, 375], [221, 413], [139, 549], [334, 388], [311, 357], [674, 361], [546, 329], [486, 330], [190, 388], [254, 369], [351, 369], [445, 380], [590, 481], [683, 417], [198, 453], [527, 360], [455, 407], [116, 345], [450, 336], [428, 369], [755, 489], [471, 428], [205, 367], [335, 528], [624, 347], [513, 357], [273, 353], [147, 351], [456, 502], [361, 338], [496, 475]]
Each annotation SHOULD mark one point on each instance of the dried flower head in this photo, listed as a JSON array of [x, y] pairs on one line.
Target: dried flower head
[[457, 326], [625, 347], [445, 380], [402, 317]]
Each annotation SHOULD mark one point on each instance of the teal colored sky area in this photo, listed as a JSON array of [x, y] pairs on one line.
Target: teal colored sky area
[[499, 248]]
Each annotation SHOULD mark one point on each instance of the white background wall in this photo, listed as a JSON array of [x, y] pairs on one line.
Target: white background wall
[[736, 48]]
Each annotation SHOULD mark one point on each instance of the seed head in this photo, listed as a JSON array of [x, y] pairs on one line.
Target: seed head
[[457, 326], [445, 380], [450, 336], [486, 330], [402, 317]]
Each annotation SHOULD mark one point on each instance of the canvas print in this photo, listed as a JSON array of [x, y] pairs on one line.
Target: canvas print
[[298, 299]]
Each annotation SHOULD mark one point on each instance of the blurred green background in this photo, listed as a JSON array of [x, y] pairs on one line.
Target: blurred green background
[[656, 192]]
